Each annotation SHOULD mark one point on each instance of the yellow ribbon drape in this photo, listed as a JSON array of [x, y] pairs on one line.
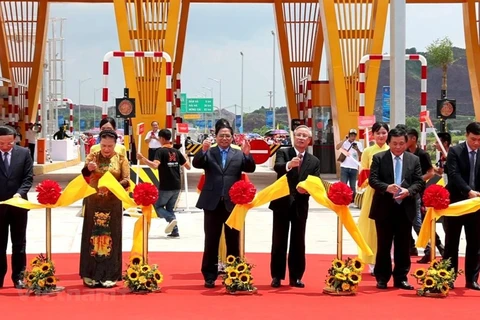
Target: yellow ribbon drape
[[276, 190], [454, 210], [314, 186], [76, 190], [109, 181]]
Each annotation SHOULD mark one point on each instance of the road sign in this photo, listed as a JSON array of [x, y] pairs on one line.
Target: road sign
[[424, 115], [366, 121], [140, 128], [191, 116], [182, 128], [199, 105], [183, 102], [260, 151]]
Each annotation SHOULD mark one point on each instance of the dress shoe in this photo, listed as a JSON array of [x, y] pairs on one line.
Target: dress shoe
[[425, 259], [413, 252], [276, 283], [472, 285], [20, 285], [403, 285], [381, 285], [209, 284], [441, 249], [297, 283]]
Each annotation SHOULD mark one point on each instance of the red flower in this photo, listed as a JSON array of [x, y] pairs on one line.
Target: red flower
[[340, 194], [242, 192], [48, 192], [145, 194], [437, 197]]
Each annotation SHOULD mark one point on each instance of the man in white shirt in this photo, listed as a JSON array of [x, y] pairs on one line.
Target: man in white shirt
[[153, 141], [31, 136], [352, 150]]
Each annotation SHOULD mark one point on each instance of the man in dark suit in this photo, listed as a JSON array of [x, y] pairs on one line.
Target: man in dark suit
[[463, 164], [16, 176], [223, 167], [292, 210], [396, 176]]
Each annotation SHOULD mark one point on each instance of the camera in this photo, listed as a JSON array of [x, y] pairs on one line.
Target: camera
[[354, 145]]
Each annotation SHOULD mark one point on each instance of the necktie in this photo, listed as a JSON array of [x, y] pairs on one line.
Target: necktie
[[398, 173], [301, 161], [5, 161], [471, 181], [224, 158]]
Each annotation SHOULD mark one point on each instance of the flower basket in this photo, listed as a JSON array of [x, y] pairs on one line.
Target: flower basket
[[437, 280], [344, 277], [238, 276], [142, 278], [40, 278]]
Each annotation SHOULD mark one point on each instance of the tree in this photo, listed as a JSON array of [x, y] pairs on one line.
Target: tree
[[440, 54], [412, 123]]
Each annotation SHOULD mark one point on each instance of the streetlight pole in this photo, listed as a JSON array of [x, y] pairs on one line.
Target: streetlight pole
[[79, 99], [273, 89], [241, 97], [95, 104], [219, 81]]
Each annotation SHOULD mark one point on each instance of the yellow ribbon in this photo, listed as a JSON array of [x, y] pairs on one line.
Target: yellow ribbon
[[76, 190], [314, 186], [108, 181], [276, 190], [454, 210]]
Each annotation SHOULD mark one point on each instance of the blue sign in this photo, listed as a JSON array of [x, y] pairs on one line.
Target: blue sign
[[238, 121], [269, 119], [386, 104], [97, 124], [60, 121], [83, 124]]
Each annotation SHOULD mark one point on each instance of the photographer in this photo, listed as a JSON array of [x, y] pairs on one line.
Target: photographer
[[350, 159]]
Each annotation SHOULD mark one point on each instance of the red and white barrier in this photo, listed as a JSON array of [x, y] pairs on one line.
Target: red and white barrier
[[423, 85], [139, 54], [178, 103], [70, 103]]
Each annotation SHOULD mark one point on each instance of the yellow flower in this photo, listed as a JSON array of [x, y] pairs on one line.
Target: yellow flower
[[330, 280], [434, 264], [443, 273], [51, 281], [233, 274], [431, 272], [41, 283], [136, 259], [354, 278], [346, 271], [36, 270], [132, 274], [429, 282], [445, 288], [338, 264], [354, 288], [420, 273], [158, 276], [345, 286], [245, 278], [228, 269], [30, 277], [357, 265], [45, 267], [142, 279], [146, 268], [340, 276], [149, 285], [241, 267], [228, 282], [231, 259], [35, 262]]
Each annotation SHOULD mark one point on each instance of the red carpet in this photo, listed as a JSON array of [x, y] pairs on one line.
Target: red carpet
[[184, 297]]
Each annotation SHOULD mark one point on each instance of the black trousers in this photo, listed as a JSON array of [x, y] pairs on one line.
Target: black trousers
[[212, 225], [14, 219], [31, 147], [454, 225], [282, 220], [151, 153], [397, 228]]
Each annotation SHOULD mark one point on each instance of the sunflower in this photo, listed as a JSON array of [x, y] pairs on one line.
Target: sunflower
[[35, 262], [443, 273], [338, 264], [132, 274], [51, 281], [434, 264], [233, 274], [145, 268], [41, 283], [241, 267], [142, 279], [445, 288], [357, 265], [345, 286], [45, 267], [420, 273], [30, 277], [245, 278], [354, 278], [158, 276], [149, 284], [230, 259], [136, 259], [228, 269], [340, 276], [228, 282], [429, 282], [330, 280]]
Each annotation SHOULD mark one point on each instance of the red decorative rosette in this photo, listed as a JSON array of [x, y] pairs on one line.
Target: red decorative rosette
[[145, 194], [242, 192], [340, 194], [437, 197], [48, 192]]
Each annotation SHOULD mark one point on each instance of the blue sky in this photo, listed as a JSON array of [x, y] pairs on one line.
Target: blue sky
[[215, 36]]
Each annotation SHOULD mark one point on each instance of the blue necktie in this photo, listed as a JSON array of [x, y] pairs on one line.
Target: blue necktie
[[398, 173], [224, 158]]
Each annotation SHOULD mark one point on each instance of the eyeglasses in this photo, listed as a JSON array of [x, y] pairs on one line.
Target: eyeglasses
[[224, 136], [302, 135]]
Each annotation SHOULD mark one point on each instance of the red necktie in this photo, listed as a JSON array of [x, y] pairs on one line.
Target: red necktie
[[300, 156]]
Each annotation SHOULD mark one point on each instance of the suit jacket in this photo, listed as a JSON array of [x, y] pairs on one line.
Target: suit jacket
[[218, 181], [310, 166], [19, 177], [382, 175], [458, 168]]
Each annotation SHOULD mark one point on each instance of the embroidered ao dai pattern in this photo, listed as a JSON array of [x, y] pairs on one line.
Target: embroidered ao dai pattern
[[101, 248]]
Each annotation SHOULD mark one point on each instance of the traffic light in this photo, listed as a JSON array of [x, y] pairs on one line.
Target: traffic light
[[446, 109]]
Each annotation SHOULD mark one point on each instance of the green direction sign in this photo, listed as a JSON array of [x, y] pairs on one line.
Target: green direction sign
[[199, 105], [183, 102]]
